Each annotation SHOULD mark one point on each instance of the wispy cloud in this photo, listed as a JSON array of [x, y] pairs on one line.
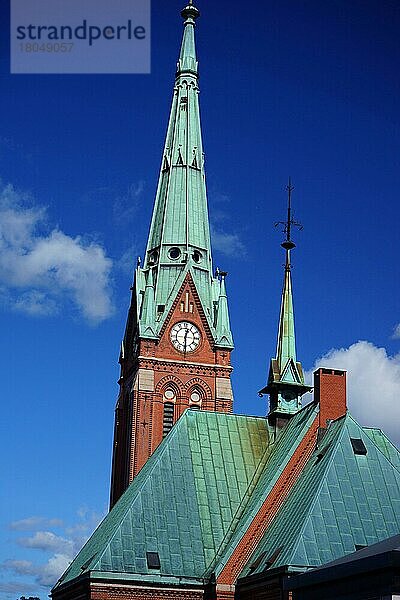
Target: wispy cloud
[[396, 332], [60, 549], [126, 205], [10, 588], [127, 262], [373, 380], [224, 238], [227, 243], [47, 541], [45, 575], [32, 523], [40, 266]]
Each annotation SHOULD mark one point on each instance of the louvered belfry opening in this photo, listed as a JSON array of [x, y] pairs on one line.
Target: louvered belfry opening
[[168, 420]]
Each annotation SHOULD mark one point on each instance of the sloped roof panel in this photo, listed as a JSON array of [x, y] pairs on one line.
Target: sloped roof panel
[[341, 500], [181, 503]]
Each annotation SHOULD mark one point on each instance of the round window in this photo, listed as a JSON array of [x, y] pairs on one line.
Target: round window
[[195, 397], [169, 394], [174, 253], [196, 256]]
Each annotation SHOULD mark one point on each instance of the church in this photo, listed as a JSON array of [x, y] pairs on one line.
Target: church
[[205, 503]]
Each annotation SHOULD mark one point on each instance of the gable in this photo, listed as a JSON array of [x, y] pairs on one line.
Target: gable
[[186, 305]]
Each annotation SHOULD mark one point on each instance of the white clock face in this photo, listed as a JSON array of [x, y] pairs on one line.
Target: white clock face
[[185, 336]]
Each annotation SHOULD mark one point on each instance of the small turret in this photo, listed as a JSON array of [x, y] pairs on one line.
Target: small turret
[[224, 335], [148, 308], [285, 384]]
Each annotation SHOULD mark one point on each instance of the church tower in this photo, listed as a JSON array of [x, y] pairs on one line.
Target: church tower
[[176, 349], [285, 384]]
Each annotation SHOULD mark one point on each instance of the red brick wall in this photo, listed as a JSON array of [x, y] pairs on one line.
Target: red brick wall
[[126, 592], [330, 392], [141, 414], [90, 590]]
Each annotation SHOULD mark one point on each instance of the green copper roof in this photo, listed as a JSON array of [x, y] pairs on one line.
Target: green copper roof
[[179, 238], [340, 500], [270, 468], [198, 493], [181, 503], [286, 343], [384, 444]]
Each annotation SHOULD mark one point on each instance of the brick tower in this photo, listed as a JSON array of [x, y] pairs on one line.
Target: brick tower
[[176, 349]]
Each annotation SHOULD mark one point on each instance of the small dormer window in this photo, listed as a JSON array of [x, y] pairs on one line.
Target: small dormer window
[[153, 560], [358, 446]]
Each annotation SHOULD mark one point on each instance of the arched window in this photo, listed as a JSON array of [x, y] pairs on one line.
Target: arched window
[[168, 419], [195, 396]]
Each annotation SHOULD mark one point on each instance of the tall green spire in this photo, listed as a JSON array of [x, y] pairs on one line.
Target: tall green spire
[[285, 383], [179, 238]]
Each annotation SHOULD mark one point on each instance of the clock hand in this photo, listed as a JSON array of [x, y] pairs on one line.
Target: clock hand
[[185, 338]]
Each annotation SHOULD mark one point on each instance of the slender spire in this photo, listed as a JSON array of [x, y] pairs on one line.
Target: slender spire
[[187, 57], [179, 238], [223, 329], [285, 380], [148, 308], [286, 344]]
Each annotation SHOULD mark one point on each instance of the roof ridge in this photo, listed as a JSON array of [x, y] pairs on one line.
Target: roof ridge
[[248, 496], [292, 534], [376, 445]]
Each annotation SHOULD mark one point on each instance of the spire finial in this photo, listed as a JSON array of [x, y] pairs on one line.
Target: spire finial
[[190, 12], [288, 243]]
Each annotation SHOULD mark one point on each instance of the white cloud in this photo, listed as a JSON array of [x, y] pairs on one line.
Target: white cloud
[[49, 542], [60, 549], [53, 569], [32, 523], [229, 244], [35, 303], [373, 380], [39, 269], [20, 567], [396, 332], [45, 575]]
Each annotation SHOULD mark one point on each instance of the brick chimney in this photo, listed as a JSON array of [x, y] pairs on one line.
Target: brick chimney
[[330, 392]]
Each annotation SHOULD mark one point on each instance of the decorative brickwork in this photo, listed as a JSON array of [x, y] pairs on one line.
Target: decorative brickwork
[[127, 592], [90, 590], [156, 373]]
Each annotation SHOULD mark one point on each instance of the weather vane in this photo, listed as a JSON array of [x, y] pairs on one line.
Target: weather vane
[[288, 244]]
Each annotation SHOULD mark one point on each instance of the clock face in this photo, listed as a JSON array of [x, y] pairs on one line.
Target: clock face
[[185, 336]]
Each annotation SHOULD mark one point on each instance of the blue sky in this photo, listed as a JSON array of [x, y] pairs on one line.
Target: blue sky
[[304, 89]]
